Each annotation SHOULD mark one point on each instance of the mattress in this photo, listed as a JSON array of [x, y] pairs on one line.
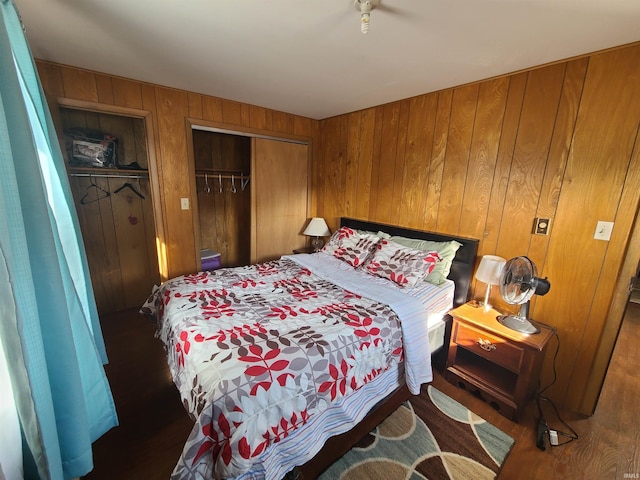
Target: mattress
[[438, 300]]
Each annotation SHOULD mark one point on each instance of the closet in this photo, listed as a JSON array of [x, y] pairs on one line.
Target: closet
[[222, 178], [251, 195], [114, 208]]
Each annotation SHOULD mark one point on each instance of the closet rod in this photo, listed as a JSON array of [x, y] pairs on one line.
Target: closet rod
[[107, 175], [215, 176], [244, 179]]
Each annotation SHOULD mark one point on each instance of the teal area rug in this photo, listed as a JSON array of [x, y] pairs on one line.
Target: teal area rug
[[430, 437]]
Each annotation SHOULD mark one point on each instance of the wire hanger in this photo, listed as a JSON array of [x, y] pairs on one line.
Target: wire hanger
[[233, 184], [94, 193], [130, 187], [220, 182], [207, 188]]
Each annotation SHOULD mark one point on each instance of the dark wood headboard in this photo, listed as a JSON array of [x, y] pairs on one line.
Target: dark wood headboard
[[463, 264]]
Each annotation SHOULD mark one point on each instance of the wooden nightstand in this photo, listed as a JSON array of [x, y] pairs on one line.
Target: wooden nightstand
[[500, 365], [303, 250]]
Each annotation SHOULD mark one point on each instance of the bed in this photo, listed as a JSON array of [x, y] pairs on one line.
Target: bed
[[310, 350]]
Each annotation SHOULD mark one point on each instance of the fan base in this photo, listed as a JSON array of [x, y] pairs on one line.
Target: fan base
[[519, 324]]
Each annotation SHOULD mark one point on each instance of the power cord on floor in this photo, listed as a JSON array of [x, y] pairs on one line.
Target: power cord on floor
[[544, 431]]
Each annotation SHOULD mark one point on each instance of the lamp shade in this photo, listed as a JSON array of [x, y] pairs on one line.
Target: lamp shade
[[490, 269], [317, 228]]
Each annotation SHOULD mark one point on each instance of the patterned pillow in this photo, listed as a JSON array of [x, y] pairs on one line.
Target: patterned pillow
[[351, 246], [446, 250], [405, 266]]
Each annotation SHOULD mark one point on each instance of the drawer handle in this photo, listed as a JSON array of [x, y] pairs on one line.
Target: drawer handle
[[486, 345]]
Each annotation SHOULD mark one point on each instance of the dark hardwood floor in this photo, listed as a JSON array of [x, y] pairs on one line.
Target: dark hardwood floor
[[154, 425]]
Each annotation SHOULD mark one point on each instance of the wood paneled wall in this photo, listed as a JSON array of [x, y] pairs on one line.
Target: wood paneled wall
[[483, 160], [172, 112]]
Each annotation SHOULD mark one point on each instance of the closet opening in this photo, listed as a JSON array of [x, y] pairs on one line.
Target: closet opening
[[222, 166], [107, 156]]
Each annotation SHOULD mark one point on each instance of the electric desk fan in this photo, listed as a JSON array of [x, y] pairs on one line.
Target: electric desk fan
[[518, 283]]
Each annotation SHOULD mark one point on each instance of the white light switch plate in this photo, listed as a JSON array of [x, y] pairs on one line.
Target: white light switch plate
[[603, 231], [184, 203]]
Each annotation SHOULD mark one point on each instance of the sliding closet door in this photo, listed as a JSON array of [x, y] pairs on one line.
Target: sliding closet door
[[279, 195]]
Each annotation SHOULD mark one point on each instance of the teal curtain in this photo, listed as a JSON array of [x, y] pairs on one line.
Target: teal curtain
[[49, 325]]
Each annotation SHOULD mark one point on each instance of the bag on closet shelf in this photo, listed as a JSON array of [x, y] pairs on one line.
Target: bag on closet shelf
[[91, 148]]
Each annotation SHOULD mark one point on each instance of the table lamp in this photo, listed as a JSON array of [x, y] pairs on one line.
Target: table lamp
[[489, 272], [317, 229]]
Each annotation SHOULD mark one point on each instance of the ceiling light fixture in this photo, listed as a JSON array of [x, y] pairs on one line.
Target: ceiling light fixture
[[365, 7]]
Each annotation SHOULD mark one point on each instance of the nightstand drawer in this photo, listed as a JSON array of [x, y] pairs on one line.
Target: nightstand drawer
[[488, 346]]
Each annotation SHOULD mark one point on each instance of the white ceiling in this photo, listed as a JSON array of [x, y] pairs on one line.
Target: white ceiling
[[309, 58]]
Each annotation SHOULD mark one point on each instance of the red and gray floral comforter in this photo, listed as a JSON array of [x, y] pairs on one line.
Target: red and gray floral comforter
[[257, 351]]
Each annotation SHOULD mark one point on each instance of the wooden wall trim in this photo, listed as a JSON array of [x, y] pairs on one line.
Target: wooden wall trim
[[193, 198], [246, 131]]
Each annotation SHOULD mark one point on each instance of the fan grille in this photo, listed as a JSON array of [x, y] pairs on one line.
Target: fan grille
[[517, 283]]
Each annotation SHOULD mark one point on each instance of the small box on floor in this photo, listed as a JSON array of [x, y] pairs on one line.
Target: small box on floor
[[210, 260]]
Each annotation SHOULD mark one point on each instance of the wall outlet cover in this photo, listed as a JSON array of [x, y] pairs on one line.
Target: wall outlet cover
[[603, 231], [541, 226]]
